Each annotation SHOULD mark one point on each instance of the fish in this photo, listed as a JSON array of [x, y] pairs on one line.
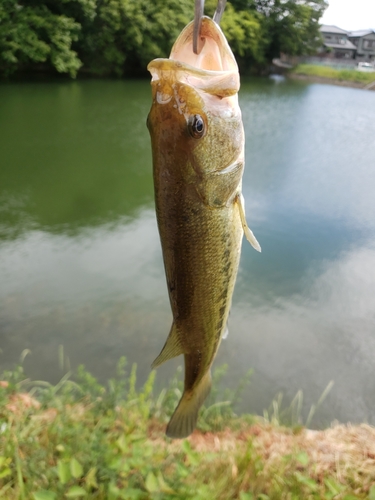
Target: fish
[[197, 141]]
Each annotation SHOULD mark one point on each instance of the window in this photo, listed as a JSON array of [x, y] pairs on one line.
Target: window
[[368, 44]]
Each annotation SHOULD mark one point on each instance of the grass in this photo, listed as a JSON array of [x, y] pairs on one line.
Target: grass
[[291, 415], [80, 439], [334, 74]]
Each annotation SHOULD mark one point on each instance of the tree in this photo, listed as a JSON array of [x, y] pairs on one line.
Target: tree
[[32, 34], [119, 37], [290, 26], [127, 34], [243, 30]]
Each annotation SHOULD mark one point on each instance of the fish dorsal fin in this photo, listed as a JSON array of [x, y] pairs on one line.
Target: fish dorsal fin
[[171, 349]]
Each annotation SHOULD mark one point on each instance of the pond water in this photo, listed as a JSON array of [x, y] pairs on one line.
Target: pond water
[[80, 258]]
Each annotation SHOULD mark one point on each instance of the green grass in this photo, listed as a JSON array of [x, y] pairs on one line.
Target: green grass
[[335, 74], [80, 439]]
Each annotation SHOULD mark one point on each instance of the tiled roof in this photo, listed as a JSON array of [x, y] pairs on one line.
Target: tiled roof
[[360, 33], [345, 46], [329, 28]]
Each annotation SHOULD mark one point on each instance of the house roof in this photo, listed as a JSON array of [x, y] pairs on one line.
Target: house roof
[[330, 28], [360, 33], [345, 46]]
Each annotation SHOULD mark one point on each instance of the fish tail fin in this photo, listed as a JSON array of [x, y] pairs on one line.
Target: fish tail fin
[[171, 349], [185, 417], [248, 232]]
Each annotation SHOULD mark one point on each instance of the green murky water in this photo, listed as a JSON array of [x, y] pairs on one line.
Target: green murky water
[[80, 260]]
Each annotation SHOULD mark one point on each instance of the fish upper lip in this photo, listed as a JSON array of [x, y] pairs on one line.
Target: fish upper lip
[[219, 83], [164, 64]]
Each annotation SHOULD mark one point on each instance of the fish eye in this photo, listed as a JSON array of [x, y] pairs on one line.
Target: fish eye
[[196, 126]]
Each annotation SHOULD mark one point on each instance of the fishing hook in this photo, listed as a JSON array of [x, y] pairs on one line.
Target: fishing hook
[[198, 15], [219, 11]]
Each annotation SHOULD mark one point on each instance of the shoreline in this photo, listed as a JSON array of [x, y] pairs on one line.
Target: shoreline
[[99, 444], [329, 81]]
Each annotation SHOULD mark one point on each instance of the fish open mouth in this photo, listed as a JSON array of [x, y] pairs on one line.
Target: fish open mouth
[[214, 70], [215, 54]]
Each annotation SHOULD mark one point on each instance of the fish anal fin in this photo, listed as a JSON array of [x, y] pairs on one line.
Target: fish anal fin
[[185, 417], [248, 232], [171, 349]]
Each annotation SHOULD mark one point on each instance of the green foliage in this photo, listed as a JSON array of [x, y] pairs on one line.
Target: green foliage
[[243, 30], [120, 37], [291, 415], [219, 408], [292, 26], [244, 33], [100, 442], [32, 34], [350, 75]]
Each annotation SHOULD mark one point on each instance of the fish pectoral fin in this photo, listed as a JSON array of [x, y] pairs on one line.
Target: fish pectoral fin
[[185, 417], [248, 232], [171, 349], [218, 188]]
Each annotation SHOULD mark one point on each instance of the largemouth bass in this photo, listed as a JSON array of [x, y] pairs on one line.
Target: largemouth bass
[[198, 159]]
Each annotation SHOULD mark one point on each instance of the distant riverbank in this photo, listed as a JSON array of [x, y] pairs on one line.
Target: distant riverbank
[[324, 74]]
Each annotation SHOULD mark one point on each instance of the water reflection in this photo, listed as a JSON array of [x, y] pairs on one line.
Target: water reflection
[[307, 339], [91, 293], [80, 259], [73, 154], [304, 143]]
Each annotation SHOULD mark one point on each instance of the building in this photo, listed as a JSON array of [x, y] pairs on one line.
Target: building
[[336, 43], [364, 41]]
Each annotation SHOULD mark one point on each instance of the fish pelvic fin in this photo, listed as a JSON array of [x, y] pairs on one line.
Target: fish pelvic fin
[[185, 417], [248, 232], [171, 349], [225, 333]]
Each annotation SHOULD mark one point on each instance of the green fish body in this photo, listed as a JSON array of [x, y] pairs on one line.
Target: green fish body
[[198, 159]]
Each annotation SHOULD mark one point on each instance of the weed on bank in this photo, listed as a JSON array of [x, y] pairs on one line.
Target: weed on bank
[[80, 439], [349, 75]]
